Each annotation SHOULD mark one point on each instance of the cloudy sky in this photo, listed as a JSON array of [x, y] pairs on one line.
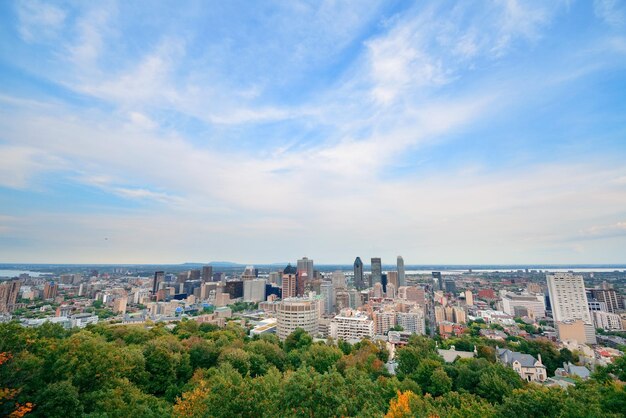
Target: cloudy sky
[[447, 132]]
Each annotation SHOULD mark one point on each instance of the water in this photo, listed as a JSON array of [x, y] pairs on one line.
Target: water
[[16, 273]]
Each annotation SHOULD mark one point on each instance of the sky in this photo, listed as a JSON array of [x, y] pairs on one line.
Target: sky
[[478, 132]]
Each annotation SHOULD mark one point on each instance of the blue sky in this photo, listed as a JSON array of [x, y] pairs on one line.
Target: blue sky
[[447, 132]]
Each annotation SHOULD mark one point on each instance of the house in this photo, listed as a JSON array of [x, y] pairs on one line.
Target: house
[[528, 367], [570, 369]]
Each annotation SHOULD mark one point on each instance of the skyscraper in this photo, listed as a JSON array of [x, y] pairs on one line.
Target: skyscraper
[[305, 275], [358, 274], [401, 278], [438, 280], [306, 265], [377, 270], [327, 291], [207, 273], [568, 297], [290, 282], [159, 277]]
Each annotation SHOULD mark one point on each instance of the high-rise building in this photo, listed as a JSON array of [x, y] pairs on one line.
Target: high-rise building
[[392, 278], [290, 282], [207, 273], [568, 297], [254, 290], [438, 280], [234, 288], [607, 321], [293, 313], [460, 317], [50, 290], [384, 321], [469, 298], [305, 265], [391, 291], [194, 274], [401, 275], [338, 280], [328, 297], [609, 296], [159, 277], [412, 321], [377, 271], [450, 286], [383, 281], [8, 295], [359, 283]]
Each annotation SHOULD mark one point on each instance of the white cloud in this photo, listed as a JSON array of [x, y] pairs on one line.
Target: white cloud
[[39, 21], [612, 12]]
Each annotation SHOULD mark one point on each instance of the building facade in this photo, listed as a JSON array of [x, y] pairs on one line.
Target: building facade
[[293, 313]]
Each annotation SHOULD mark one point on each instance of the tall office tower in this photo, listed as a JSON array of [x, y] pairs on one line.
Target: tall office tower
[[339, 280], [383, 281], [401, 277], [249, 273], [377, 271], [50, 290], [438, 280], [392, 278], [450, 286], [290, 282], [568, 297], [182, 277], [159, 277], [194, 274], [207, 273], [305, 275], [306, 265], [295, 313], [608, 296], [359, 283], [391, 291], [469, 298], [8, 295], [328, 297]]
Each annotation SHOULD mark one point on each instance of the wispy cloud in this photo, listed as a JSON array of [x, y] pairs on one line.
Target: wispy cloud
[[443, 129]]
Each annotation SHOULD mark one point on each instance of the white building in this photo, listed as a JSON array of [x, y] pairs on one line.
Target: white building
[[535, 304], [607, 321], [254, 290], [292, 313], [351, 325], [568, 297]]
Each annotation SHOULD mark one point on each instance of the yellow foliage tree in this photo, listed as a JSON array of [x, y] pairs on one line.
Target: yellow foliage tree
[[8, 394]]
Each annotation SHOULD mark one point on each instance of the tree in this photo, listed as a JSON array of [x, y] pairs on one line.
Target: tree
[[321, 357], [236, 357], [401, 406], [59, 399], [299, 339]]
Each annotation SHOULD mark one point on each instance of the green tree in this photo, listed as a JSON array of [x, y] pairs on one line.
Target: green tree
[[297, 340]]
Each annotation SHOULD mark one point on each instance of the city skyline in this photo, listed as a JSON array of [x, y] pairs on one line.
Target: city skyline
[[447, 132]]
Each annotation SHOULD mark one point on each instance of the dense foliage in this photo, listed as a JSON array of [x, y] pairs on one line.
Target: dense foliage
[[194, 370]]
